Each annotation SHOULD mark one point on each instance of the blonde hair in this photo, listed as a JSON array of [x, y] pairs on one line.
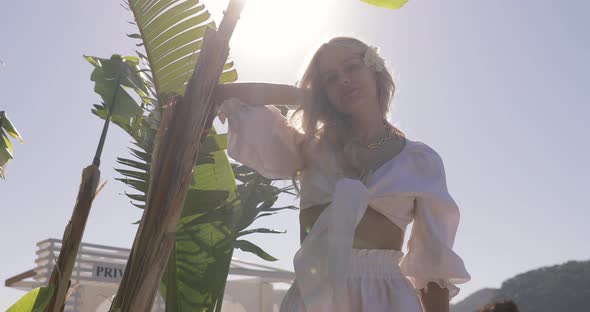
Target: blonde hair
[[317, 116]]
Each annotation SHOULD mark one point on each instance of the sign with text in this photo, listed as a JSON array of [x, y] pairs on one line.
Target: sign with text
[[108, 271]]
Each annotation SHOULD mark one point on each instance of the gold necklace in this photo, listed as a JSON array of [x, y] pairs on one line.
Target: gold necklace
[[388, 137]]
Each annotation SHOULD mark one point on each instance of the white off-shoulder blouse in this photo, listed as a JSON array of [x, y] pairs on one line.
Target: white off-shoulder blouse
[[409, 187]]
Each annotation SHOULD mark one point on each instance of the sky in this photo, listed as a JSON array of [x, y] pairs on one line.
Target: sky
[[496, 87]]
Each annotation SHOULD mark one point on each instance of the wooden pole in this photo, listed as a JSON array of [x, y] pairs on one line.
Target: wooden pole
[[174, 156]]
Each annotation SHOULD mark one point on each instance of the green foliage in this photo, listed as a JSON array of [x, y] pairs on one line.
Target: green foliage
[[35, 300], [172, 32], [257, 196], [216, 184], [113, 78], [388, 4], [205, 238], [6, 152], [216, 210]]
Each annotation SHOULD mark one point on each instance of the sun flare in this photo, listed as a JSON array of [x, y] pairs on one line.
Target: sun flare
[[280, 23]]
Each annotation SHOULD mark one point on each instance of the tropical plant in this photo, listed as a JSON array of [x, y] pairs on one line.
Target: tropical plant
[[258, 196], [204, 239], [6, 151], [216, 211]]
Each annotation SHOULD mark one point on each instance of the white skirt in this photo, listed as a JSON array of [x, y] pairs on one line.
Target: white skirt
[[375, 284]]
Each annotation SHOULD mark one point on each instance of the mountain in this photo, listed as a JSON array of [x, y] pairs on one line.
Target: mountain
[[475, 301], [564, 287]]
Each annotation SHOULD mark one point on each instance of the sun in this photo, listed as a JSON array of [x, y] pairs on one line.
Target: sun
[[280, 24], [278, 16]]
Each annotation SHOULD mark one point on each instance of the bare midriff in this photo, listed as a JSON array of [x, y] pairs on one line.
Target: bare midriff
[[374, 231]]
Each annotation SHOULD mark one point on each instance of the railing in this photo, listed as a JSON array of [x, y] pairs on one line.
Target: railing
[[89, 256], [92, 260], [100, 265]]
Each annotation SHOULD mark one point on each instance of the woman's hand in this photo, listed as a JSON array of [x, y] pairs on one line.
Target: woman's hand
[[436, 299]]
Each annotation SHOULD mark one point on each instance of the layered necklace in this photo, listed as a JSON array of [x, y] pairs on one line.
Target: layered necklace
[[391, 133], [354, 147]]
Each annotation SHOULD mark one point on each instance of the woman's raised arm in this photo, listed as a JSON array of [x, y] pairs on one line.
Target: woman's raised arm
[[259, 93]]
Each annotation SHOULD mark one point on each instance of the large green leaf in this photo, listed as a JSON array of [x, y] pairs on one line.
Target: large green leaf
[[111, 77], [172, 32], [388, 4], [7, 129], [35, 300], [201, 260], [205, 233]]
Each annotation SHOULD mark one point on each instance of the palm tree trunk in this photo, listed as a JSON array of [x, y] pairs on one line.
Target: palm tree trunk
[[62, 271], [175, 153]]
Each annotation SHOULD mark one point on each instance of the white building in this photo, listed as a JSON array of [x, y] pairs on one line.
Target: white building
[[98, 271]]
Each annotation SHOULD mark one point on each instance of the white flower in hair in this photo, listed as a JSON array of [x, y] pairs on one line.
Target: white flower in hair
[[373, 60]]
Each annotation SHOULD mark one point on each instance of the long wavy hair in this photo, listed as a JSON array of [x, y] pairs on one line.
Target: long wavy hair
[[318, 118]]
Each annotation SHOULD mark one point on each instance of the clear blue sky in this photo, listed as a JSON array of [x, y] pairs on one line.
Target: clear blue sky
[[497, 87]]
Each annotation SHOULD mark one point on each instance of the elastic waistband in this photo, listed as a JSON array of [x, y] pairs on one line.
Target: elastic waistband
[[376, 262]]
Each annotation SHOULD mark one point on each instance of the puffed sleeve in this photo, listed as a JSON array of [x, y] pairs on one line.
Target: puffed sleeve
[[430, 257], [261, 138]]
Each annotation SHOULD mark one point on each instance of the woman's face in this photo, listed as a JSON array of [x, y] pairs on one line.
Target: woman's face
[[349, 84]]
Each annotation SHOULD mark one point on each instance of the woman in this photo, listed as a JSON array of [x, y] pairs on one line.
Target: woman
[[362, 182]]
